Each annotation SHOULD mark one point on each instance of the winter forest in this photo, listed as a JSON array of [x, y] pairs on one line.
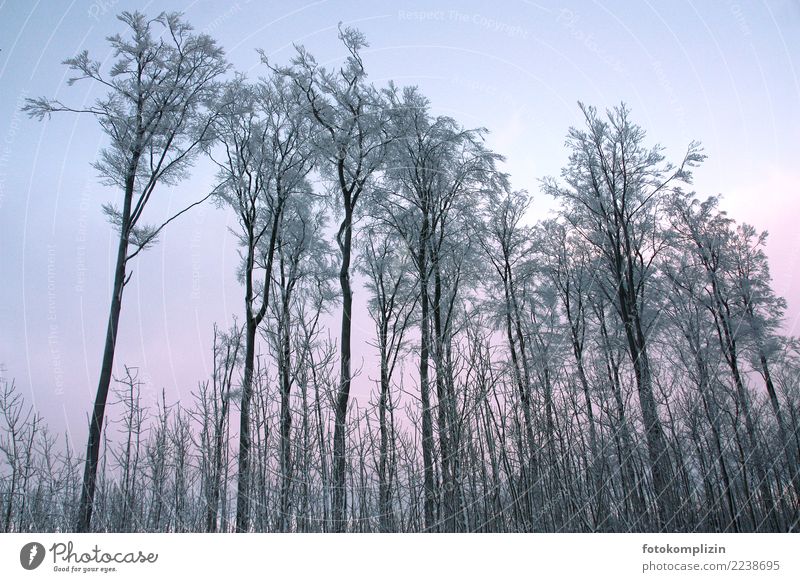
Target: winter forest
[[618, 366]]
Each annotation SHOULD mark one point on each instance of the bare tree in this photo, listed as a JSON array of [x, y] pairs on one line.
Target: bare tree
[[437, 170], [265, 160], [20, 426], [615, 187], [128, 394], [212, 413], [155, 114], [353, 132], [394, 298]]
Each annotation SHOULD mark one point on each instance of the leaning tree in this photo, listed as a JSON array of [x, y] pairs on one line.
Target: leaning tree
[[156, 115]]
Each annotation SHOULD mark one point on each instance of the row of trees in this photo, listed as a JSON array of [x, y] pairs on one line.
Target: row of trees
[[618, 367]]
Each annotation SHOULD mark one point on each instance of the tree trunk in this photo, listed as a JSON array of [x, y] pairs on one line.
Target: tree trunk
[[254, 319], [448, 483], [343, 396], [424, 381], [660, 465], [96, 424], [729, 349], [243, 485], [384, 492], [286, 421]]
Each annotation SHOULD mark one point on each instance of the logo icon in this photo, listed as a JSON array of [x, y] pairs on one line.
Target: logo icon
[[31, 555]]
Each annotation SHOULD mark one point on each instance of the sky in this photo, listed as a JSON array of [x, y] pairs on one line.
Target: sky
[[725, 73]]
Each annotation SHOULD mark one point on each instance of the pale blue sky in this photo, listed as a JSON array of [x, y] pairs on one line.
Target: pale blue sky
[[723, 72]]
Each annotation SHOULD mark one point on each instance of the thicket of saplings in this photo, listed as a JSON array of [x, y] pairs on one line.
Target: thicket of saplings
[[617, 367]]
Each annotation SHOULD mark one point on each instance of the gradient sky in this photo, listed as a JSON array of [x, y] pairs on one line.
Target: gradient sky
[[722, 72]]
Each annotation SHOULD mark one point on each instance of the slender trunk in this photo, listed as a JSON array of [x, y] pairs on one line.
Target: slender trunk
[[596, 461], [253, 318], [302, 513], [323, 450], [384, 499], [448, 484], [623, 433], [12, 491], [660, 465], [530, 469], [790, 453], [286, 421], [243, 485], [343, 396], [220, 433], [752, 437], [727, 339], [713, 418], [98, 412], [424, 382]]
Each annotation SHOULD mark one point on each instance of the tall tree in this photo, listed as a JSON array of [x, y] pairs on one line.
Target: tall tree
[[353, 131], [506, 242], [437, 172], [763, 315], [567, 264], [686, 310], [394, 296], [615, 188], [301, 253], [265, 159], [743, 313], [156, 115]]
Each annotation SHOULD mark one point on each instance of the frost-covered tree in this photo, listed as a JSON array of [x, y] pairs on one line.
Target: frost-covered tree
[[352, 132], [614, 190], [506, 244], [263, 160], [746, 314], [618, 367], [156, 113], [438, 175], [301, 254], [393, 297]]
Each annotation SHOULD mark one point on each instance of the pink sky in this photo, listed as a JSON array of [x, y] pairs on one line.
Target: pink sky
[[723, 73]]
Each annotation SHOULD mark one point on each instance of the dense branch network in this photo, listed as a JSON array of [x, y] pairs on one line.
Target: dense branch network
[[619, 366]]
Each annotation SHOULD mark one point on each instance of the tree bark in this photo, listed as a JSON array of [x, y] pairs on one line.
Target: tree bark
[[106, 368], [424, 381], [339, 509]]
